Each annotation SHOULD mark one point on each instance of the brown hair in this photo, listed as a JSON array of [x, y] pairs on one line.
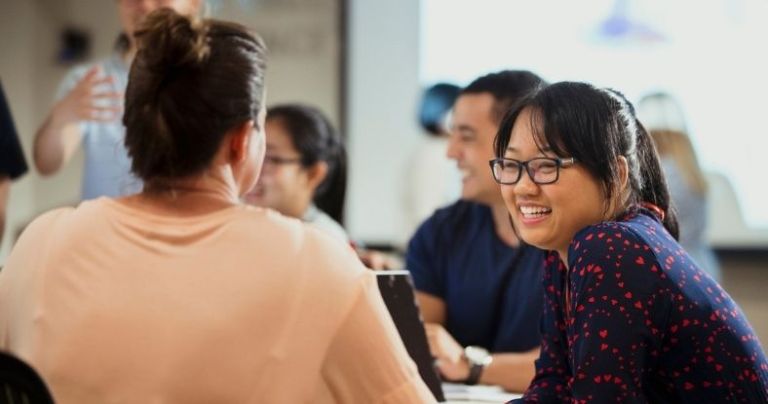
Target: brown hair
[[191, 81], [677, 146]]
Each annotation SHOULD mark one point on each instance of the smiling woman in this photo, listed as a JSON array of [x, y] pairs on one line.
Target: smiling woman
[[305, 168], [628, 315]]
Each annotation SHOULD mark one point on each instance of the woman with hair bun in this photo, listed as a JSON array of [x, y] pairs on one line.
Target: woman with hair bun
[[628, 315], [180, 293]]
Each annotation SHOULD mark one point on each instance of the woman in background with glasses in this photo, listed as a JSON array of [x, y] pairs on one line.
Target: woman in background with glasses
[[305, 168], [628, 316]]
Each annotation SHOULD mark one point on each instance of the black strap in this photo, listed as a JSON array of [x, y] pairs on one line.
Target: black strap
[[498, 306]]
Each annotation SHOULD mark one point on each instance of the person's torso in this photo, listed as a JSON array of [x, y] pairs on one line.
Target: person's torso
[[493, 291], [696, 344], [174, 310]]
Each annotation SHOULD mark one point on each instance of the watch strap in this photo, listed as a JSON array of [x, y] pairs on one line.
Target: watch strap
[[475, 371]]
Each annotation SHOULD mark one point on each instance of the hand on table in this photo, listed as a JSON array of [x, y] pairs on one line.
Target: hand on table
[[449, 354]]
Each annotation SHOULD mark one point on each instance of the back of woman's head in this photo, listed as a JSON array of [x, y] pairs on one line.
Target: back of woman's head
[[596, 127], [317, 141], [190, 83]]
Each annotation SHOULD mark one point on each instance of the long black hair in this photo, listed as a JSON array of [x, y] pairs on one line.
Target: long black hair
[[317, 140], [596, 126]]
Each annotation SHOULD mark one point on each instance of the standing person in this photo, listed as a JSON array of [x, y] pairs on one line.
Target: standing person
[[88, 110], [305, 168], [12, 162], [663, 116], [628, 316], [478, 287], [688, 188], [432, 181], [181, 294]]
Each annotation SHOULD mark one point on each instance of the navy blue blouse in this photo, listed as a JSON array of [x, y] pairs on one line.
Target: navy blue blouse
[[641, 323]]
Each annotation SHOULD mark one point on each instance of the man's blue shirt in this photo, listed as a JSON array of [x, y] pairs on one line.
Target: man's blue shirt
[[456, 255]]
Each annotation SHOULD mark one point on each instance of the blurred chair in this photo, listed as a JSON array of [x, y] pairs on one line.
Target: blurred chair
[[20, 384]]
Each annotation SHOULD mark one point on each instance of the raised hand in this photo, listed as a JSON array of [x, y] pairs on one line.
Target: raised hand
[[92, 99]]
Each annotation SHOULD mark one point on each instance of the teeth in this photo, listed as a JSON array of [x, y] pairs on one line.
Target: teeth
[[534, 210]]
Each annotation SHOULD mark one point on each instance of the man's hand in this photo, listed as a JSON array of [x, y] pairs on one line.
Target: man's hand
[[378, 260], [92, 99], [451, 362]]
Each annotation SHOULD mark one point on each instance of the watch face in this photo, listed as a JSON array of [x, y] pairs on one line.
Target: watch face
[[476, 355]]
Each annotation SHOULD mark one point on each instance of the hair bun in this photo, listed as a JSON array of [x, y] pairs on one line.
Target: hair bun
[[169, 41]]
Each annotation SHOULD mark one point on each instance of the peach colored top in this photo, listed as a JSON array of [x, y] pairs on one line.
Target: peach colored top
[[114, 305]]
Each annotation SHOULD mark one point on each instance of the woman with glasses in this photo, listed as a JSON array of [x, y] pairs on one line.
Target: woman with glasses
[[180, 293], [628, 316], [305, 168]]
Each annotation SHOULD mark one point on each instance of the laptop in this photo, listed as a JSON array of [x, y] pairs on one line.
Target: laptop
[[396, 289]]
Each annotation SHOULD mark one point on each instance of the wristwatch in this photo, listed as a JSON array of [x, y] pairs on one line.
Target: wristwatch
[[478, 358]]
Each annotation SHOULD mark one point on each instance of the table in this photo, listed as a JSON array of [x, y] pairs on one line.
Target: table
[[463, 394]]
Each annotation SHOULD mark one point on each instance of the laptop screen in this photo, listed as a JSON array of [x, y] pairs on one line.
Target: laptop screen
[[397, 291]]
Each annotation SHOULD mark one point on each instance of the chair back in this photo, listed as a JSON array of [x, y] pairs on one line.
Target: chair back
[[20, 384]]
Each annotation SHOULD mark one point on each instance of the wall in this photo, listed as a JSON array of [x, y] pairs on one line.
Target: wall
[[382, 98]]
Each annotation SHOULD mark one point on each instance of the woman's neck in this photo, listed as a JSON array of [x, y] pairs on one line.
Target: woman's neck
[[198, 195], [503, 225]]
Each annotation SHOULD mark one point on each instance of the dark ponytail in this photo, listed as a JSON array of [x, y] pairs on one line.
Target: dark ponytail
[[654, 186], [317, 140], [331, 194]]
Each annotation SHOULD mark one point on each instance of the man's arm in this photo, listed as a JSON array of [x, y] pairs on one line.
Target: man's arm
[[511, 370], [60, 135], [432, 308]]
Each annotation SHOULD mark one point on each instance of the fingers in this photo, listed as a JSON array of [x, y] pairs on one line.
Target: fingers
[[96, 84], [103, 114], [97, 112], [94, 97], [435, 338]]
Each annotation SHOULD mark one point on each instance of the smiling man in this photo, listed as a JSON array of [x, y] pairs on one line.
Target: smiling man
[[479, 289]]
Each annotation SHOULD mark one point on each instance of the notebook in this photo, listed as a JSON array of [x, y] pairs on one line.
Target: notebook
[[396, 289]]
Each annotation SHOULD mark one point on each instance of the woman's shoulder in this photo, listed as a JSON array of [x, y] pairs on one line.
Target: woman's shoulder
[[307, 244], [630, 235], [636, 240], [634, 226], [45, 222], [603, 232]]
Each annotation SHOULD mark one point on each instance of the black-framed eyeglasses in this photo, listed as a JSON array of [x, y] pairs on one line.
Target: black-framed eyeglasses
[[278, 161], [541, 170]]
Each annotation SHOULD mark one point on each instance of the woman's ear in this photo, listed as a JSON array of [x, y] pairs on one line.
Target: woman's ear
[[617, 202], [240, 138], [623, 173], [316, 173]]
